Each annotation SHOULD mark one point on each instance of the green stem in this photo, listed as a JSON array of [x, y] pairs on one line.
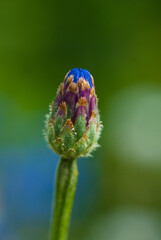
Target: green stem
[[66, 181]]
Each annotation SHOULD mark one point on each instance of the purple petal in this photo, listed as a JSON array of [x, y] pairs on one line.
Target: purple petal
[[92, 105], [71, 99], [81, 110], [84, 93], [66, 85]]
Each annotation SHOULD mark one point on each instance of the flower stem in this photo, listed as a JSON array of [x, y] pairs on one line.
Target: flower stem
[[66, 181]]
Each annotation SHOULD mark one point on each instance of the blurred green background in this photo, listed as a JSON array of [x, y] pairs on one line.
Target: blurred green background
[[119, 189]]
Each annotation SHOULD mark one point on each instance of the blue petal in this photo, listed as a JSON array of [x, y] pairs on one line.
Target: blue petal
[[78, 72]]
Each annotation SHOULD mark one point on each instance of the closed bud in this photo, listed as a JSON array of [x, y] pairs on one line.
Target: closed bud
[[73, 124]]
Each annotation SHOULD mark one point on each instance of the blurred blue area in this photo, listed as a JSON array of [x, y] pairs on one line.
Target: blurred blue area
[[27, 176], [27, 182]]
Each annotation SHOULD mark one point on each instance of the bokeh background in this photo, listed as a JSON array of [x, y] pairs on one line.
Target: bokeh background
[[119, 188]]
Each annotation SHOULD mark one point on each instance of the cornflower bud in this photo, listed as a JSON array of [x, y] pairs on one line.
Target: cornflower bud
[[73, 124]]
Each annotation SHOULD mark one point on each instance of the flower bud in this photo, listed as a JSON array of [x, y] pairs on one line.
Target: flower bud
[[73, 124]]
